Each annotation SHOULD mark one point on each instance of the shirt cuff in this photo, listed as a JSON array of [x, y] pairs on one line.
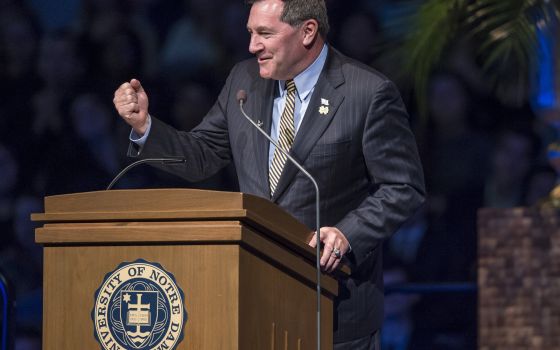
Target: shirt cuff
[[141, 140]]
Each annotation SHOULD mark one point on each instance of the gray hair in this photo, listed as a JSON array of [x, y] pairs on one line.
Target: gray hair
[[296, 12]]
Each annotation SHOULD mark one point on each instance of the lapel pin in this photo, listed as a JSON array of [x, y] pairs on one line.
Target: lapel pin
[[259, 123], [324, 109]]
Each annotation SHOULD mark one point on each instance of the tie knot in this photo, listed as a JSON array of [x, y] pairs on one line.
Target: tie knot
[[290, 86]]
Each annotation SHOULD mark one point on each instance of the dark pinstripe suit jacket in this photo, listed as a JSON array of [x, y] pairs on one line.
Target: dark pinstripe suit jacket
[[362, 154]]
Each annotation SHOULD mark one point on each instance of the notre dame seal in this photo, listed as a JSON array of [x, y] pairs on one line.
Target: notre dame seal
[[139, 307]]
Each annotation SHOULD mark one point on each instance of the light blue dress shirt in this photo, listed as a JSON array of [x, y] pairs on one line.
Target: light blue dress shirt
[[305, 84]]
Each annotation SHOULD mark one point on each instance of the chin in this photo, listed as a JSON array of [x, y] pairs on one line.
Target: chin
[[265, 74]]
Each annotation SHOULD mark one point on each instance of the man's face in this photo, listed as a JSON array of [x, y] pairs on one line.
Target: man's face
[[277, 45]]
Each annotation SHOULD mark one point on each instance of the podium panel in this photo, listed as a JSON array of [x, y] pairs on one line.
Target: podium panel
[[177, 279]]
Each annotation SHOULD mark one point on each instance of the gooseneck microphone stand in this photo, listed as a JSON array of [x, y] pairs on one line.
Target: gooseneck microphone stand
[[241, 98]]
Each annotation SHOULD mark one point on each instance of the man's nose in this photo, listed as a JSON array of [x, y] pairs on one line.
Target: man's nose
[[255, 45]]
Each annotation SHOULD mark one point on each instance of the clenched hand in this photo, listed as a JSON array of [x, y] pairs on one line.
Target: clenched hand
[[131, 102]]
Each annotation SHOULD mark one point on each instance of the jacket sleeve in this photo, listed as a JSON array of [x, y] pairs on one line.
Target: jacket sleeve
[[206, 148], [395, 172]]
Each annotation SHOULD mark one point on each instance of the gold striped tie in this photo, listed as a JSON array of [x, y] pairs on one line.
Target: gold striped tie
[[286, 138]]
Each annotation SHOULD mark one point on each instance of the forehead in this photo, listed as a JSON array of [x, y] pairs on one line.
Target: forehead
[[265, 12]]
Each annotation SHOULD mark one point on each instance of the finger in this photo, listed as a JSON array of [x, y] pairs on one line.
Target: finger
[[123, 98], [124, 86], [327, 251], [131, 98], [339, 243], [126, 99], [135, 83], [313, 241], [119, 96], [334, 265], [128, 108], [314, 238], [123, 94]]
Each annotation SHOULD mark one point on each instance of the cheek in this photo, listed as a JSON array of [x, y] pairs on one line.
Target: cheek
[[277, 61]]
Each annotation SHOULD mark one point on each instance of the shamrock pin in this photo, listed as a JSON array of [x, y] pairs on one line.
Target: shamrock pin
[[324, 109]]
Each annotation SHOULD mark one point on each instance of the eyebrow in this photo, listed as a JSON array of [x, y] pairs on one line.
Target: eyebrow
[[261, 29]]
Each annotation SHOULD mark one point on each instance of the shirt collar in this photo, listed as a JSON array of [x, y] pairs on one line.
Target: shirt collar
[[306, 80]]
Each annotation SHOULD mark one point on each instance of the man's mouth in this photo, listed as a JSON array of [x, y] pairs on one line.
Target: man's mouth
[[263, 59]]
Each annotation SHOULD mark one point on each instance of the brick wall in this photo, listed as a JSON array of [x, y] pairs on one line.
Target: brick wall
[[518, 279]]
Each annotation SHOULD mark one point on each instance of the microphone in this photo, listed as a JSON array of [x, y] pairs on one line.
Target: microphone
[[241, 99], [142, 161]]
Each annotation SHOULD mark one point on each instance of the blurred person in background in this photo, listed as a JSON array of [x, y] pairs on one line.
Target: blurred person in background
[[198, 28], [453, 146], [234, 36], [542, 180], [61, 67], [513, 158], [21, 262], [27, 340], [19, 39], [358, 35], [9, 172], [398, 324]]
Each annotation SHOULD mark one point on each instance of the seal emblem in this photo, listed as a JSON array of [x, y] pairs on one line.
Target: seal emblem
[[139, 307]]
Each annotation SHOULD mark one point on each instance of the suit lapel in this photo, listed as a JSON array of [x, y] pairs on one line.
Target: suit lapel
[[261, 99], [314, 123]]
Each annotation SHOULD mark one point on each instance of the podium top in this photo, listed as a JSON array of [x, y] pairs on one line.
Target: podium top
[[170, 204]]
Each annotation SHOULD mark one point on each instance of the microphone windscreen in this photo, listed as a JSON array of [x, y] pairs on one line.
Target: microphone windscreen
[[241, 96]]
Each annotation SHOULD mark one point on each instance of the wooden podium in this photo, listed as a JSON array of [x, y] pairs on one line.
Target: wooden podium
[[246, 275]]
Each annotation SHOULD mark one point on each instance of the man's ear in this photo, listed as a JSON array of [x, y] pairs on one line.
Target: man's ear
[[310, 31]]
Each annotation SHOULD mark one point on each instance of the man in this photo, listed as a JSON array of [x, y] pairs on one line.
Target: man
[[342, 120]]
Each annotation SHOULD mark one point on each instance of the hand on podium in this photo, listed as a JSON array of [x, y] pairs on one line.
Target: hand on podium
[[335, 246]]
